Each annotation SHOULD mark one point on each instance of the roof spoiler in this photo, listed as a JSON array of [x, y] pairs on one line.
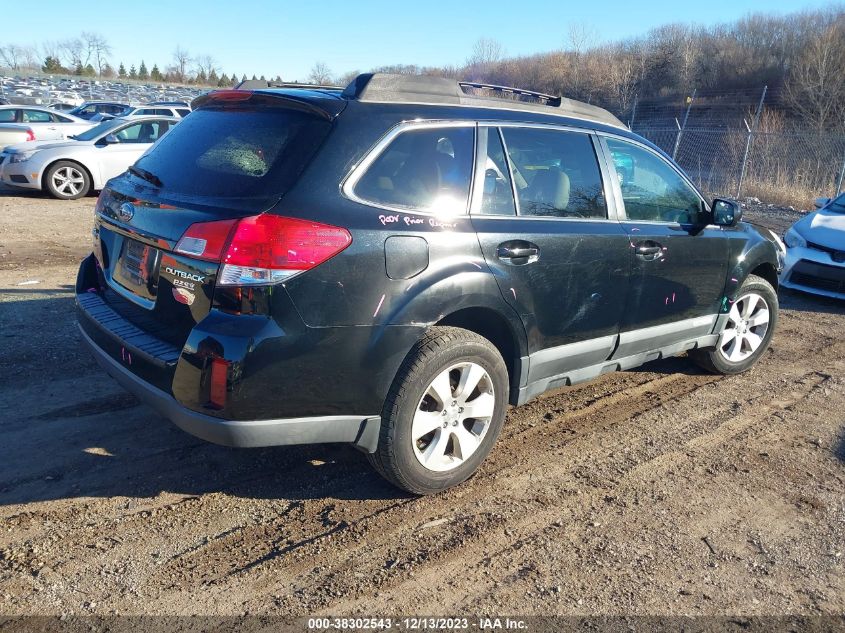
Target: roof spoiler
[[324, 108]]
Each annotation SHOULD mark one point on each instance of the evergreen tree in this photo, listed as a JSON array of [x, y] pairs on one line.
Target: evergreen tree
[[52, 65], [263, 78], [143, 74], [155, 74], [133, 74], [79, 70], [213, 78], [254, 78], [223, 82], [201, 78], [244, 77], [121, 71], [89, 71]]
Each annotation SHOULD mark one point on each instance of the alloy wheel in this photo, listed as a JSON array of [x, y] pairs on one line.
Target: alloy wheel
[[746, 328], [453, 416], [68, 181]]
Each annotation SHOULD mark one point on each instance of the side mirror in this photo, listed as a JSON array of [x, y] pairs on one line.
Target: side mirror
[[726, 212], [111, 139], [821, 202]]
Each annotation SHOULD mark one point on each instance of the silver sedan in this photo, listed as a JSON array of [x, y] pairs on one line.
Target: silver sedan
[[44, 124], [70, 169]]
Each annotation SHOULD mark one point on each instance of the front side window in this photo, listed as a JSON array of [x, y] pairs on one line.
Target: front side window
[[651, 189], [555, 173], [425, 169]]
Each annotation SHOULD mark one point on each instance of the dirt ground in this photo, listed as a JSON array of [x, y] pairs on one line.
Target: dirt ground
[[659, 491]]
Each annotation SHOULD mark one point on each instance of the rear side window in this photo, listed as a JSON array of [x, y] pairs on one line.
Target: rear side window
[[7, 116], [236, 152], [555, 173], [427, 169]]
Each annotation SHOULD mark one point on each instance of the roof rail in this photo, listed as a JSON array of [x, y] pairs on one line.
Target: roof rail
[[258, 84], [389, 88], [550, 100]]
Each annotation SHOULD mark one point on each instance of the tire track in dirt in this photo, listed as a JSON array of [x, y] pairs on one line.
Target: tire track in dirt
[[476, 557]]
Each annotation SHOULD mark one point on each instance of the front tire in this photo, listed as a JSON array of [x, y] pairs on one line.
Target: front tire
[[67, 180], [443, 413], [748, 330]]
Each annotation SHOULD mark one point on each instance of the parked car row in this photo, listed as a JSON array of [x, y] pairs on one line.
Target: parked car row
[[73, 91]]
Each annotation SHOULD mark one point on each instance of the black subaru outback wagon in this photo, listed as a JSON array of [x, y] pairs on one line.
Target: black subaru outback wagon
[[393, 264]]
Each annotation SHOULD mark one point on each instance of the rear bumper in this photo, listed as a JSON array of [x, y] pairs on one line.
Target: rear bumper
[[361, 431]]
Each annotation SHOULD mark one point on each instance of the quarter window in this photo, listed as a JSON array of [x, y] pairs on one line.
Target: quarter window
[[426, 169], [651, 189], [555, 173]]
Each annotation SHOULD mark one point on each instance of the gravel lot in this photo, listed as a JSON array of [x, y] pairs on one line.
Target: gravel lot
[[658, 491]]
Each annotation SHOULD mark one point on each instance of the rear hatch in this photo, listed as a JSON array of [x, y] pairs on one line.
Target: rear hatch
[[233, 158]]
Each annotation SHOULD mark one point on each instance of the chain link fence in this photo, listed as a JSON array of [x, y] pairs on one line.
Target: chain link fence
[[721, 142], [778, 168]]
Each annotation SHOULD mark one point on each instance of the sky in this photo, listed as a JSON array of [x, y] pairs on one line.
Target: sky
[[288, 38]]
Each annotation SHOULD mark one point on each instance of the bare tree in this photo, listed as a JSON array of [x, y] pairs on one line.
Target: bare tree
[[320, 74], [206, 65], [97, 50], [181, 61], [74, 52], [816, 85], [485, 53], [52, 48], [11, 55]]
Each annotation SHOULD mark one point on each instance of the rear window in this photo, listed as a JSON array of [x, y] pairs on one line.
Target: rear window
[[231, 152]]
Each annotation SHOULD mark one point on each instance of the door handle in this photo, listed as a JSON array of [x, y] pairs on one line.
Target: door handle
[[518, 253], [648, 250]]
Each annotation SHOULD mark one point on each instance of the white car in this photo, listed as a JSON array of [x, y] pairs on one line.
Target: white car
[[815, 250], [70, 169], [46, 124], [148, 110]]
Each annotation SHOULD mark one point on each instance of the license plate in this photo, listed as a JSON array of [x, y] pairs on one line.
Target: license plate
[[135, 263]]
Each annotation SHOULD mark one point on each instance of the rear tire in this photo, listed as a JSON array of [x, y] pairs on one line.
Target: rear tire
[[747, 332], [67, 180], [443, 412]]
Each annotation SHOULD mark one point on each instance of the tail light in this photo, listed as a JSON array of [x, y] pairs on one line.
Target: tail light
[[263, 249]]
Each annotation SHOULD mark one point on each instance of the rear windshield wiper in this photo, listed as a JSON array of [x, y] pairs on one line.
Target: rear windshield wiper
[[145, 175]]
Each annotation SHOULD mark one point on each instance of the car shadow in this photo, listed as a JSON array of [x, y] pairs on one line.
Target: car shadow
[[805, 302], [69, 431]]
